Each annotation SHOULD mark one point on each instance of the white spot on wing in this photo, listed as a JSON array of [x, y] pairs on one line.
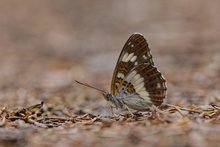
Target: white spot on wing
[[120, 75], [158, 85], [131, 75], [137, 82], [144, 94], [135, 78], [145, 57], [142, 89], [139, 87], [127, 57], [133, 58]]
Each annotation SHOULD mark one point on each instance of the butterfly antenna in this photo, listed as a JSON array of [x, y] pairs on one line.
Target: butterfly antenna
[[87, 85]]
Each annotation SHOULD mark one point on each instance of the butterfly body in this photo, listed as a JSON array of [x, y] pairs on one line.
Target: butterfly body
[[136, 83], [132, 101]]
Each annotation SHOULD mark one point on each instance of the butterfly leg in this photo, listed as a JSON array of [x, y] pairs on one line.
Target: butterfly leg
[[112, 111], [155, 111], [129, 110]]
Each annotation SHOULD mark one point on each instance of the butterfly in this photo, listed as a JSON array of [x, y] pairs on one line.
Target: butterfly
[[136, 83]]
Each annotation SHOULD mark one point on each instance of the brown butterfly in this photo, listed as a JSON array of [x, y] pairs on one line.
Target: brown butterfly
[[136, 82]]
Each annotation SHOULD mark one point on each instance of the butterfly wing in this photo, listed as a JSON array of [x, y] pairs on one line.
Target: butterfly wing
[[146, 81], [134, 52]]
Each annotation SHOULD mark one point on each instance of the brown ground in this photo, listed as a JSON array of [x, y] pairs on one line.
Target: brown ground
[[45, 45]]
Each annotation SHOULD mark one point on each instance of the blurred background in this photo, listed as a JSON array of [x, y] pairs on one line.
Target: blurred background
[[46, 44]]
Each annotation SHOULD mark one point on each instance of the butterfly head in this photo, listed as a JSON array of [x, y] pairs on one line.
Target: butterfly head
[[108, 96], [115, 101]]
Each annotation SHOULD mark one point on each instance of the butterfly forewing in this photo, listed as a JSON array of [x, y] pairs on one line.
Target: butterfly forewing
[[134, 52]]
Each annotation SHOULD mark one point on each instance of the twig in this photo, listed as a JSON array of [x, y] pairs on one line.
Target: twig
[[31, 121], [215, 106], [2, 123], [184, 109]]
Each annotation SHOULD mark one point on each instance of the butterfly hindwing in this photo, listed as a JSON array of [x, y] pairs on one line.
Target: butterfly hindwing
[[147, 82], [134, 52]]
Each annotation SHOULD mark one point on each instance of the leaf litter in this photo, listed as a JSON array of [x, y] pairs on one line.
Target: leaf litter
[[169, 120]]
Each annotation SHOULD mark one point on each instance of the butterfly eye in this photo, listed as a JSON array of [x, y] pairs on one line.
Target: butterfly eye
[[106, 96]]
